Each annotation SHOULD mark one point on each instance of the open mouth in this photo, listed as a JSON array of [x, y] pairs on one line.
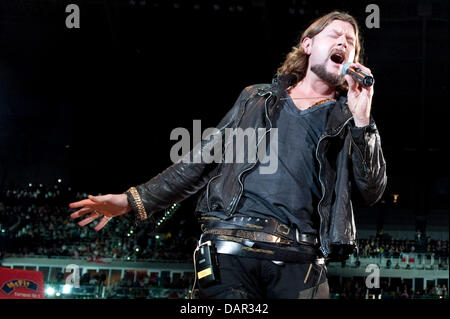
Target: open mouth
[[338, 57]]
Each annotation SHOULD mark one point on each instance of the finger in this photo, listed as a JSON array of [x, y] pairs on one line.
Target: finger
[[352, 83], [102, 223], [90, 219], [81, 212], [81, 203], [363, 68]]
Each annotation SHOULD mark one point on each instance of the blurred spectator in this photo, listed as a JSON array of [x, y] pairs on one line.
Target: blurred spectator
[[388, 264], [418, 237], [404, 293], [439, 290]]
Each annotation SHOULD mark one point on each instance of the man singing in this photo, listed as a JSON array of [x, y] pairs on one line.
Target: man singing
[[268, 235]]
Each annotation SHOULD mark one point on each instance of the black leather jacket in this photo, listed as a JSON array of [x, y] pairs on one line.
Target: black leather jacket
[[348, 156]]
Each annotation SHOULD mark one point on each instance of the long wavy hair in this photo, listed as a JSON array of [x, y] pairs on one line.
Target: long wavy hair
[[296, 61]]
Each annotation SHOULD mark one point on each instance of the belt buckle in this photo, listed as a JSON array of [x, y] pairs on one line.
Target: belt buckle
[[297, 235], [281, 231]]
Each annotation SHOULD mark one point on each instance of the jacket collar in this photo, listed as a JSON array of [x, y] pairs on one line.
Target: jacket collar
[[339, 115], [283, 81]]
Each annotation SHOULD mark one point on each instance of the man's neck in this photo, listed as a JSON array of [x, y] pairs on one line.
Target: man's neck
[[311, 90]]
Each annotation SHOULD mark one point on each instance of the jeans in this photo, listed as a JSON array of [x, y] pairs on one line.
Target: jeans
[[251, 278]]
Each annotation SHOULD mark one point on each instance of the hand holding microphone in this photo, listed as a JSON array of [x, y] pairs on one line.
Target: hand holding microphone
[[360, 91]]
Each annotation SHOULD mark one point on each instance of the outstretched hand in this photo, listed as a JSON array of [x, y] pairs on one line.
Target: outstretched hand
[[106, 206]]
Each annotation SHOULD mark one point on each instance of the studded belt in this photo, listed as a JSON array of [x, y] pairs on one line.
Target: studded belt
[[257, 229], [245, 248], [249, 234]]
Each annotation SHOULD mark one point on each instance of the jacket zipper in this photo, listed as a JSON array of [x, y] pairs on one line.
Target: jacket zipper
[[321, 183], [218, 175], [212, 178], [236, 199], [207, 191]]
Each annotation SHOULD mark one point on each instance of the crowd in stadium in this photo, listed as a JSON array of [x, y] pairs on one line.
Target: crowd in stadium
[[390, 247], [131, 286], [352, 288], [36, 222]]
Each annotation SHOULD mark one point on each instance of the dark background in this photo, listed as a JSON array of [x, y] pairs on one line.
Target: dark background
[[95, 106]]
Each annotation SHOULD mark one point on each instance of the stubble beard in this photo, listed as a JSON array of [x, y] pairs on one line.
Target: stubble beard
[[331, 78]]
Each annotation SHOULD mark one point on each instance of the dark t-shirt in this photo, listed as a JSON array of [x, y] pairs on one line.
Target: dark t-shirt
[[292, 192]]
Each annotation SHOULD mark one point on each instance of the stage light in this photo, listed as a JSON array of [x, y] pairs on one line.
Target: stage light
[[59, 180], [67, 289], [50, 291], [58, 294], [131, 231], [396, 198], [157, 236], [30, 184]]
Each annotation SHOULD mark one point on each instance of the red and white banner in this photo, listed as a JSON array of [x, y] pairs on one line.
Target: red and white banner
[[21, 284]]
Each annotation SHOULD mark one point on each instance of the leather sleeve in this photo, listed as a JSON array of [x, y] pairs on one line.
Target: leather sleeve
[[183, 178], [369, 166]]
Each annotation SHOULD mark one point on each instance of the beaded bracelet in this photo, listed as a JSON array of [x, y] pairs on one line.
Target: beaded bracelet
[[136, 203]]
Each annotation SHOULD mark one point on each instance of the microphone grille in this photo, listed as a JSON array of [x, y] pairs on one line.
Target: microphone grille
[[345, 67]]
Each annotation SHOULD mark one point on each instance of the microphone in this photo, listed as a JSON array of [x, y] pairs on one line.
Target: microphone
[[358, 75]]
